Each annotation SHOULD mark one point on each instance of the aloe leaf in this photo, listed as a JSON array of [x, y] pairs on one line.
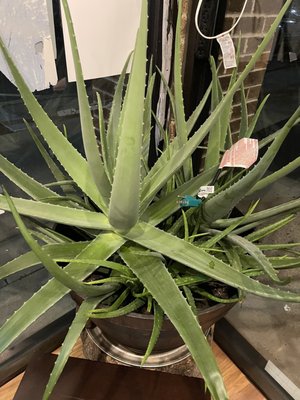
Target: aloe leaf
[[271, 228], [190, 299], [192, 120], [254, 120], [71, 201], [107, 159], [74, 164], [27, 260], [286, 262], [288, 207], [249, 227], [73, 334], [168, 90], [36, 306], [226, 137], [185, 225], [212, 155], [225, 118], [59, 183], [284, 171], [181, 126], [124, 201], [100, 263], [133, 306], [164, 168], [278, 246], [41, 236], [199, 260], [158, 177], [148, 118], [179, 223], [56, 172], [119, 280], [216, 299], [181, 132], [56, 271], [117, 303], [51, 233], [115, 113], [157, 325], [244, 114], [235, 260], [60, 214], [279, 262], [168, 204], [257, 255], [96, 167], [220, 235], [222, 203], [30, 186], [102, 247], [158, 281], [270, 138]]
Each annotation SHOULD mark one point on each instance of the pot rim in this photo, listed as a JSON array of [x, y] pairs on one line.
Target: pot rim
[[201, 311]]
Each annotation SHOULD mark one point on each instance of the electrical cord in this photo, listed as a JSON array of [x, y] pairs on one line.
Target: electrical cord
[[220, 34]]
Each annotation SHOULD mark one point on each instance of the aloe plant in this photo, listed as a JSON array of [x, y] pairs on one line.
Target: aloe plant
[[152, 252]]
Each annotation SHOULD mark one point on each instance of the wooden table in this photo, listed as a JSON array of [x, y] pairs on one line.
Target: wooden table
[[238, 386]]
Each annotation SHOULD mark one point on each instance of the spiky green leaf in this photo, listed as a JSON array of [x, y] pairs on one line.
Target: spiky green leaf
[[74, 164], [157, 325], [165, 168], [73, 334], [102, 247], [27, 260], [114, 116], [55, 170], [30, 186], [244, 114], [158, 281], [282, 209], [282, 172], [168, 204], [255, 118], [96, 166], [222, 203], [60, 214], [198, 259], [124, 201], [57, 272], [212, 155]]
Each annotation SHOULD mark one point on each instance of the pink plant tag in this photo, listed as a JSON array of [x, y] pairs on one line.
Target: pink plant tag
[[242, 154]]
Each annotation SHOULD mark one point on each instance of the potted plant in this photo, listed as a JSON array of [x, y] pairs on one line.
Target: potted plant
[[149, 250]]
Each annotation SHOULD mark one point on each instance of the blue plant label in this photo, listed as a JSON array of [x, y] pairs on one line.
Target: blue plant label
[[189, 201]]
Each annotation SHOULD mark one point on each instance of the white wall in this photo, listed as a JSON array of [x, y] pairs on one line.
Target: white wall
[[105, 32]]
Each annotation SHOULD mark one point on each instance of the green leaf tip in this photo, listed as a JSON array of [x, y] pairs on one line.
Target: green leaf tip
[[124, 201]]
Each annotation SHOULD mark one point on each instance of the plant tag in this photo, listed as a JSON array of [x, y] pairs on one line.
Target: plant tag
[[228, 51], [189, 201], [242, 154], [205, 191], [2, 212]]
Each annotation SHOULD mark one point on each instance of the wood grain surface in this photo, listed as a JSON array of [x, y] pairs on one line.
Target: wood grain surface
[[238, 386]]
